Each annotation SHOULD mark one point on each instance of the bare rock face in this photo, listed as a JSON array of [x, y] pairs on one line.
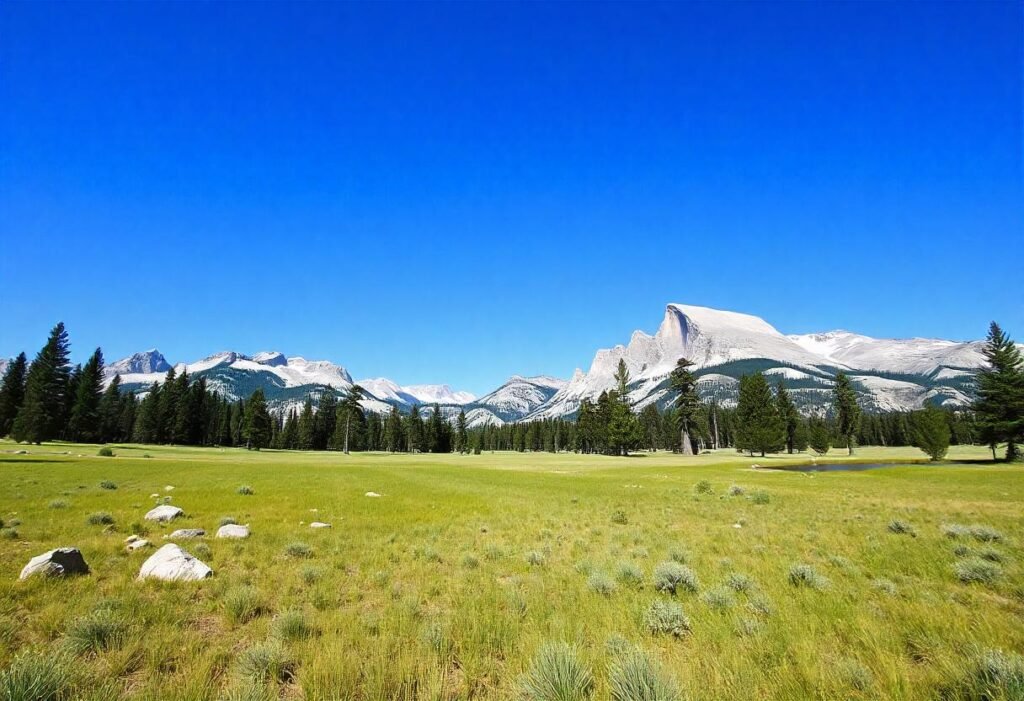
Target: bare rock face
[[172, 564], [233, 530], [182, 533], [56, 563], [164, 513]]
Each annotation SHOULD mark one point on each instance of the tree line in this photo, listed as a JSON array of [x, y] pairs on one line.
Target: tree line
[[50, 399]]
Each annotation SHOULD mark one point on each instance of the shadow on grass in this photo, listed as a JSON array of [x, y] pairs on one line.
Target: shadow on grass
[[25, 460]]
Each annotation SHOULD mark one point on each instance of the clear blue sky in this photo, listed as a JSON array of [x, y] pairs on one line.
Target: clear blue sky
[[457, 192]]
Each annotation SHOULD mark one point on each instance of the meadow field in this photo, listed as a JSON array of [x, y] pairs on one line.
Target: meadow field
[[498, 576]]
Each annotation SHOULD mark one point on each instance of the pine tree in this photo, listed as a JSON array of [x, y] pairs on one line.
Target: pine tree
[[85, 422], [1000, 403], [12, 392], [461, 439], [393, 429], [326, 419], [847, 410], [761, 428], [819, 437], [931, 432], [257, 426], [415, 430], [350, 407], [110, 412], [46, 387], [307, 426], [788, 412], [687, 402]]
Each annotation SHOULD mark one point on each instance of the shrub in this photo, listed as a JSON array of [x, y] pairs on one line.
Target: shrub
[[584, 567], [736, 491], [105, 452], [634, 676], [616, 644], [108, 485], [557, 674], [57, 504], [761, 606], [227, 521], [679, 555], [245, 490], [985, 534], [670, 576], [760, 497], [739, 582], [601, 584], [101, 630], [470, 562], [37, 676], [886, 586], [298, 549], [535, 558], [629, 574], [719, 598], [100, 518], [955, 530], [202, 551], [265, 662], [9, 533], [243, 604], [961, 551], [806, 576], [666, 618], [974, 569], [993, 675], [310, 574], [292, 625], [703, 487], [855, 674], [619, 517], [901, 527], [990, 554]]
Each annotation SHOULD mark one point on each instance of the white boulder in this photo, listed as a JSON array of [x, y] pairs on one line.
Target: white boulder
[[137, 544], [372, 494], [187, 533], [319, 524], [56, 563], [233, 530], [164, 513], [172, 564]]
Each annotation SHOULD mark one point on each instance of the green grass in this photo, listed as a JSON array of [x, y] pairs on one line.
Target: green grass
[[455, 582]]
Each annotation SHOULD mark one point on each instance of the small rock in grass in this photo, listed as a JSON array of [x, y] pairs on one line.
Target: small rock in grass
[[137, 544], [188, 533], [164, 513], [233, 530], [172, 564], [154, 495], [372, 494], [319, 524], [169, 488], [56, 563]]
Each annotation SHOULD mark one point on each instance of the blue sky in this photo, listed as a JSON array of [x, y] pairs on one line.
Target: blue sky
[[458, 192]]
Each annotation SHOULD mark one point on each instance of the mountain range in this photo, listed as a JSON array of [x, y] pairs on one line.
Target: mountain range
[[900, 374]]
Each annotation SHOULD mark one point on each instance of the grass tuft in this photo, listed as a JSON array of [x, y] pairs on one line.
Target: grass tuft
[[601, 583], [298, 549], [243, 604], [557, 674], [268, 661], [666, 618], [975, 570], [808, 577], [101, 630], [38, 676], [293, 625], [635, 676], [100, 518], [901, 528], [245, 490]]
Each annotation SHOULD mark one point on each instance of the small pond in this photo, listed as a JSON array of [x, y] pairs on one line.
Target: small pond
[[847, 467]]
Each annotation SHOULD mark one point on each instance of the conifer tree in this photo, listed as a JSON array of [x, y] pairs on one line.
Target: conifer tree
[[257, 425], [819, 437], [760, 428], [349, 407], [461, 438], [414, 431], [1000, 403], [12, 392], [84, 424], [847, 410], [46, 387], [307, 426], [326, 419], [931, 432], [687, 402], [393, 430], [789, 414], [110, 412]]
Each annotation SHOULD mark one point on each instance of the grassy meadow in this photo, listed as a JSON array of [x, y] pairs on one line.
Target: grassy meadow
[[468, 571]]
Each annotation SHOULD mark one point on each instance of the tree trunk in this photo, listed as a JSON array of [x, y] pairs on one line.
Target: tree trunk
[[348, 422], [714, 418], [849, 445], [684, 442]]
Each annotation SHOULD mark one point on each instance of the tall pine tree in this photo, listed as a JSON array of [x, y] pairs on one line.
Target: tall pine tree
[[86, 422], [46, 390], [760, 427], [687, 402], [789, 414], [1000, 403], [257, 423], [12, 392], [847, 411]]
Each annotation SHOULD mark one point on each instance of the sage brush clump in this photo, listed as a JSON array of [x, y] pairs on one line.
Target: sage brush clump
[[807, 576], [670, 577], [666, 618]]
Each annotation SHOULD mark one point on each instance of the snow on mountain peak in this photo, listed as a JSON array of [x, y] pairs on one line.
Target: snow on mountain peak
[[148, 361], [438, 394], [271, 358]]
